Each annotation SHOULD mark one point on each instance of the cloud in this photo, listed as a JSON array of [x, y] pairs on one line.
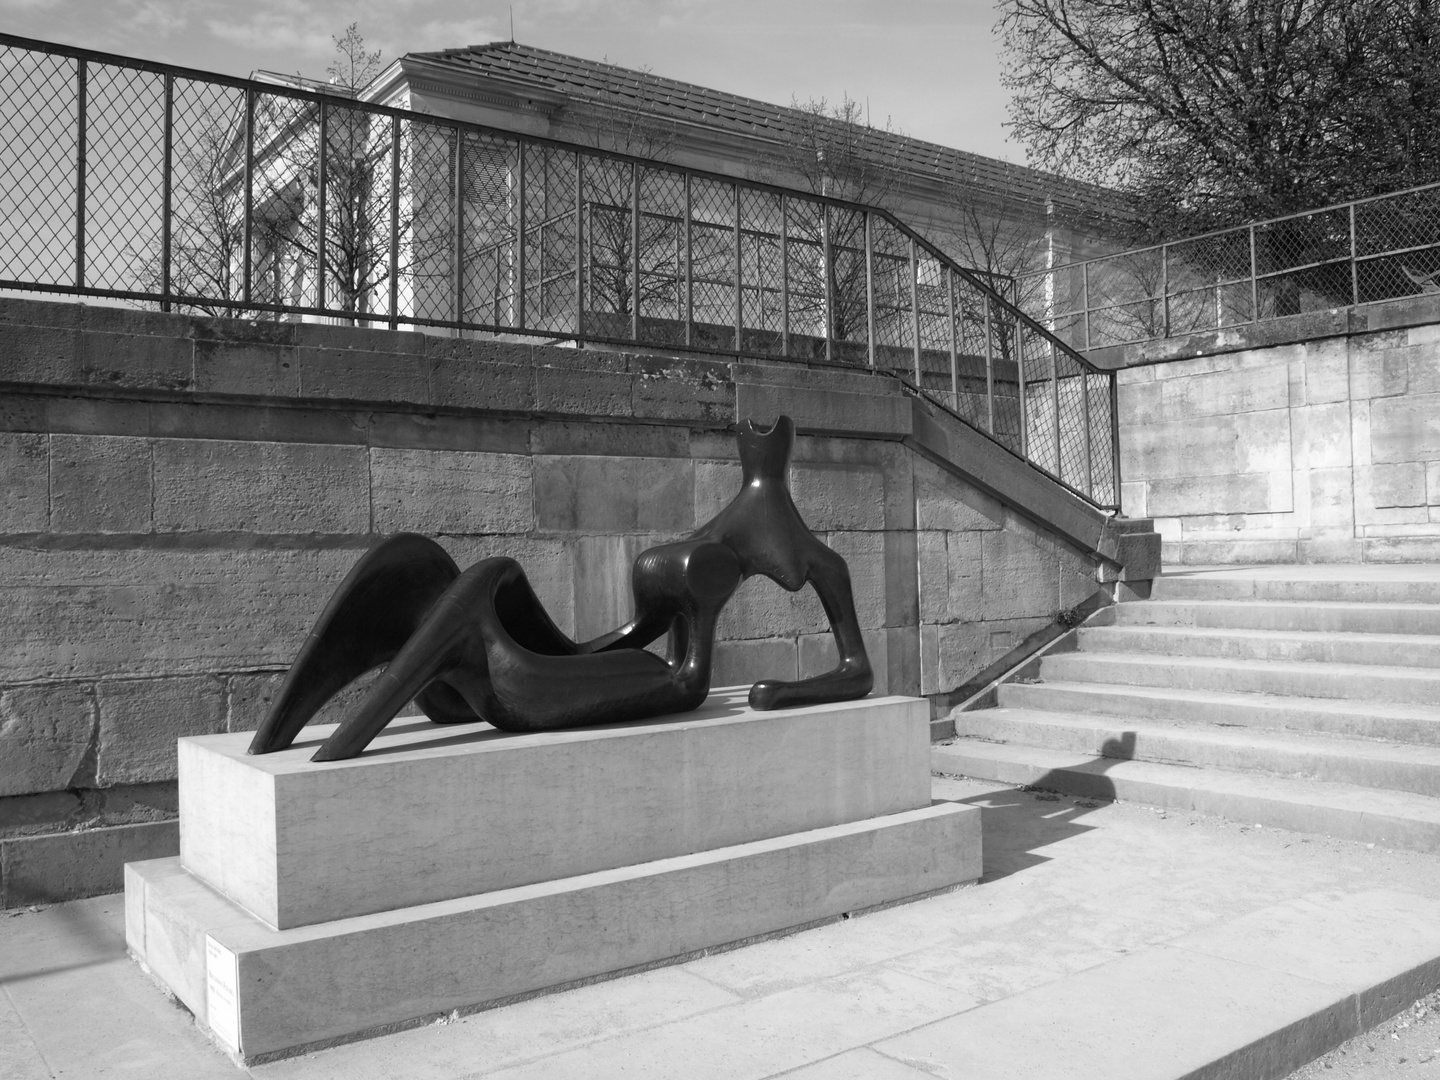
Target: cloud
[[445, 34], [272, 31], [155, 18]]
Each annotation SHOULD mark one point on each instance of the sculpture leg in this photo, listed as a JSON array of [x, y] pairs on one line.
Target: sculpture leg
[[371, 615], [445, 660], [852, 676]]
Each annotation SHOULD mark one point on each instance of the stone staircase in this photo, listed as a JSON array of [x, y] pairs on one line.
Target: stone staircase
[[1298, 697]]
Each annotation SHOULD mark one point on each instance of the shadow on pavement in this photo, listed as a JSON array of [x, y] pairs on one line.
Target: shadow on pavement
[[57, 938], [1015, 824]]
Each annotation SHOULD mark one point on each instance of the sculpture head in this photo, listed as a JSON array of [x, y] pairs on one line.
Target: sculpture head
[[765, 451]]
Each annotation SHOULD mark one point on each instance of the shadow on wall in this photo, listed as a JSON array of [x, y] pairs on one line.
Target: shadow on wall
[[1016, 824]]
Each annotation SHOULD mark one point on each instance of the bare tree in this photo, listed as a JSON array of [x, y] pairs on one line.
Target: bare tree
[[1211, 113], [354, 241], [208, 217]]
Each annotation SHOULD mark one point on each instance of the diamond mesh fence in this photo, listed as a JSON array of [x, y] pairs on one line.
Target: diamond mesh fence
[[284, 204], [806, 297], [761, 292], [207, 192], [1303, 263], [1375, 249], [150, 185], [1123, 298], [1397, 245], [662, 257], [426, 259], [714, 258], [357, 223], [490, 221], [974, 361], [1207, 283], [894, 298], [1041, 420], [550, 240], [931, 287], [848, 288], [609, 269], [125, 167], [39, 151], [1004, 360]]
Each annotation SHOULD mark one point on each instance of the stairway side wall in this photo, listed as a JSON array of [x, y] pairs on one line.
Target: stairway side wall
[[1310, 439], [181, 496]]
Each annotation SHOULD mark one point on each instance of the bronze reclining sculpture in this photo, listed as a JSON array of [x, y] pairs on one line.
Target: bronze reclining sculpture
[[480, 645]]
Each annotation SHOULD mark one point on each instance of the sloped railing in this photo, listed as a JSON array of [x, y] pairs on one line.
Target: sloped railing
[[197, 192]]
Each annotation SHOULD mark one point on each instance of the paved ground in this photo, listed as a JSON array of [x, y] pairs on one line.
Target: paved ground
[[1105, 940]]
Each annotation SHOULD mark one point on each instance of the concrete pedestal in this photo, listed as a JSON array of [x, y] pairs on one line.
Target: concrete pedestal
[[298, 915]]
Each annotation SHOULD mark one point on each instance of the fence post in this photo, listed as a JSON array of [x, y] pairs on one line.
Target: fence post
[[870, 315], [1354, 267], [954, 336], [1089, 463], [739, 295], [580, 248], [784, 274], [248, 243], [989, 369], [1019, 352], [1165, 290], [1055, 404], [1115, 441], [459, 231], [167, 196], [827, 265], [395, 223], [635, 251], [1254, 295], [520, 234], [322, 170], [82, 93], [915, 307], [689, 272], [1085, 299]]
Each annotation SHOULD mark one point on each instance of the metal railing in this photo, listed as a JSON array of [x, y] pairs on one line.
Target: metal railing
[[196, 192], [1381, 248]]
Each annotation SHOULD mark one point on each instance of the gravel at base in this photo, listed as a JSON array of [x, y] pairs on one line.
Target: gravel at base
[[1407, 1045]]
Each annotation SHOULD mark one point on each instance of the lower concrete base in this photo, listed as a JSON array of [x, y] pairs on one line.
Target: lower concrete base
[[266, 993]]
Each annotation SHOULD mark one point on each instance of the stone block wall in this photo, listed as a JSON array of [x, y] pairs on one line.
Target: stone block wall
[[1310, 439], [182, 495]]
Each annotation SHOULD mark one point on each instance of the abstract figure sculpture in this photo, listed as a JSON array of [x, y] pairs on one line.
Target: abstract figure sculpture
[[480, 646]]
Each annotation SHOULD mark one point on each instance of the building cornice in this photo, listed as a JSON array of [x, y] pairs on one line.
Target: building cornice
[[427, 77]]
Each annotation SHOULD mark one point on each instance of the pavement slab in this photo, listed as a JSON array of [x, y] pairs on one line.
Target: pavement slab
[[1105, 939]]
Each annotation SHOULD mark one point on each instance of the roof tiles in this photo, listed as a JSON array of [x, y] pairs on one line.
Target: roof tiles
[[593, 81]]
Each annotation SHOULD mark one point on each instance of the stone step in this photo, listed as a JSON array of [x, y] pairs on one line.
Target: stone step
[[1363, 763], [1307, 646], [1319, 615], [1397, 819], [1405, 585], [1363, 682], [1414, 724]]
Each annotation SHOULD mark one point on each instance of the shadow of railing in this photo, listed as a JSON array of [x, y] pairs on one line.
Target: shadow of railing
[[1016, 824]]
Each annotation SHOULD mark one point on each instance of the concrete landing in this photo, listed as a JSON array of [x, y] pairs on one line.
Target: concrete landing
[[1106, 940]]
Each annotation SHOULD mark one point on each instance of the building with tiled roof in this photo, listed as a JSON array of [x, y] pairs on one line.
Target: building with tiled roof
[[522, 88]]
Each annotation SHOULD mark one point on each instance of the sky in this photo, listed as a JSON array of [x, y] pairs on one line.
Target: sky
[[928, 66]]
